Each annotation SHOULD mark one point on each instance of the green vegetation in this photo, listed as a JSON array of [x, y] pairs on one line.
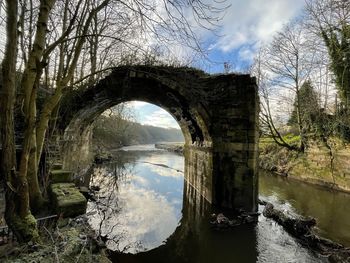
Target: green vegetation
[[70, 242], [113, 132], [308, 105], [337, 40], [317, 165]]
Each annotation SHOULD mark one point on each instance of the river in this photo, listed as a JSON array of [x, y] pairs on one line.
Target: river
[[148, 213]]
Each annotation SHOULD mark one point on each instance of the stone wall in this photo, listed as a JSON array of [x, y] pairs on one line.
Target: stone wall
[[77, 155], [235, 148], [199, 170], [315, 167]]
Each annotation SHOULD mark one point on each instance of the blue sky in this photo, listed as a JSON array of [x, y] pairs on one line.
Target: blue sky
[[245, 27]]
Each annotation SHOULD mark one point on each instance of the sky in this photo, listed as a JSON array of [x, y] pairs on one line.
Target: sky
[[246, 25], [149, 114]]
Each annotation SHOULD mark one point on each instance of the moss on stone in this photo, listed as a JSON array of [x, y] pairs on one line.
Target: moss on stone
[[61, 176], [67, 199]]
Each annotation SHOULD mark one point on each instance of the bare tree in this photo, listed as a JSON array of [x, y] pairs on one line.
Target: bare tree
[[113, 128], [290, 61], [18, 213], [266, 93]]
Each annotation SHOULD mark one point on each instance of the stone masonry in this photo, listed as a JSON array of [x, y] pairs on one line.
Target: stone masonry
[[218, 115]]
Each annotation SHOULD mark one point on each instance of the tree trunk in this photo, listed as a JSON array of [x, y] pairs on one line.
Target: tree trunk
[[35, 195], [43, 124], [52, 102], [31, 76], [299, 112], [17, 214]]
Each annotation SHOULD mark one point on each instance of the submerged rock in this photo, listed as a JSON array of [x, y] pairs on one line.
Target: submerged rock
[[220, 221]]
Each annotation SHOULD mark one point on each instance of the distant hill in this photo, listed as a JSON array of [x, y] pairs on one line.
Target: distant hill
[[112, 132], [145, 134]]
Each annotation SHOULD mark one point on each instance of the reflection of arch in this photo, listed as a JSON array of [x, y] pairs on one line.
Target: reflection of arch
[[193, 241], [217, 114]]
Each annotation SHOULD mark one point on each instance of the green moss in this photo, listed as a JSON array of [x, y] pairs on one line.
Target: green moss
[[312, 166], [26, 228], [61, 176], [67, 199], [292, 138]]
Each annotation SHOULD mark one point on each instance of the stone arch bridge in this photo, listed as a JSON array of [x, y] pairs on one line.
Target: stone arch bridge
[[218, 115]]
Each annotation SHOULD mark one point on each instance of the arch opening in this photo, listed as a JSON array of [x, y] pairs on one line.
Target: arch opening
[[136, 122], [190, 121], [141, 186]]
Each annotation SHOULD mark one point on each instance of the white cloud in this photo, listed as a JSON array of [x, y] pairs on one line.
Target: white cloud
[[160, 118], [150, 114], [141, 181], [136, 104], [251, 21], [146, 213], [247, 52], [146, 217]]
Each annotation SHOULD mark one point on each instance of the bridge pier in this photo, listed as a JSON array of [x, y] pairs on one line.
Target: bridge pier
[[225, 176], [226, 173]]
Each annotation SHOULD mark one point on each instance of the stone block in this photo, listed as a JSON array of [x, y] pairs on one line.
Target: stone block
[[61, 176], [67, 200], [56, 166]]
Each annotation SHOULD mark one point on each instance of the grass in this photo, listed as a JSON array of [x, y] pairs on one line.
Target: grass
[[288, 138]]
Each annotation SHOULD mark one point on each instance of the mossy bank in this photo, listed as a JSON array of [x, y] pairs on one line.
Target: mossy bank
[[321, 165], [72, 240]]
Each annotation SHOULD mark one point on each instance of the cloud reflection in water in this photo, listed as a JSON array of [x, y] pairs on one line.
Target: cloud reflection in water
[[142, 208]]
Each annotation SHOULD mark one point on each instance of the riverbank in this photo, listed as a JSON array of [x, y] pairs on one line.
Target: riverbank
[[177, 147], [319, 165], [72, 240]]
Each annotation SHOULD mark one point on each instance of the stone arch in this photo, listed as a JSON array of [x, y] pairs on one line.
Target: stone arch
[[217, 115], [154, 85]]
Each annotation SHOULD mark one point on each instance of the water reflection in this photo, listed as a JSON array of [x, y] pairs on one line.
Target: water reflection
[[331, 209], [196, 241], [139, 203], [145, 204]]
